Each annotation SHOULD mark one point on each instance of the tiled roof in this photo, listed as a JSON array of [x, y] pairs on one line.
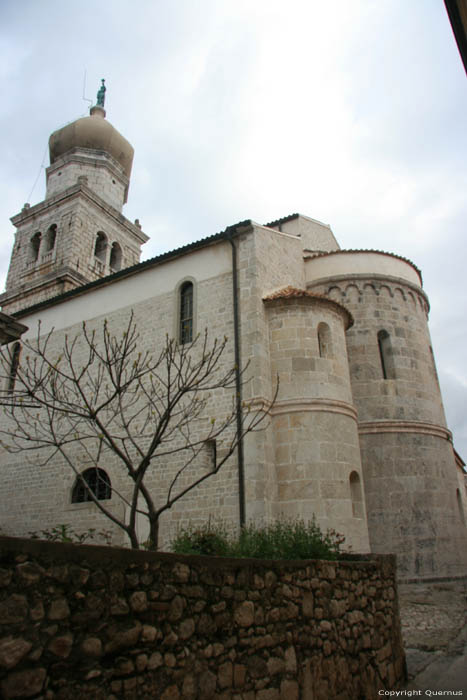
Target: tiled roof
[[289, 292], [295, 293], [284, 219]]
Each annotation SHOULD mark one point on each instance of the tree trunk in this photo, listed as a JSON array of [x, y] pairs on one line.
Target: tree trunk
[[153, 544]]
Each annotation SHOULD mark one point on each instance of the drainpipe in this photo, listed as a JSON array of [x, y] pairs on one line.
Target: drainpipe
[[238, 381]]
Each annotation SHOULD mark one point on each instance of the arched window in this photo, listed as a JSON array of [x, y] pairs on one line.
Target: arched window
[[35, 246], [356, 495], [100, 249], [386, 355], [14, 364], [115, 257], [50, 238], [324, 340], [460, 506], [97, 480], [186, 313]]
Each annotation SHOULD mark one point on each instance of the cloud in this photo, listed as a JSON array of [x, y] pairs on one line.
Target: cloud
[[352, 113]]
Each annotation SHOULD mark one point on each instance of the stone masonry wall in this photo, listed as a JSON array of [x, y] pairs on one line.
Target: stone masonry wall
[[96, 622], [36, 496]]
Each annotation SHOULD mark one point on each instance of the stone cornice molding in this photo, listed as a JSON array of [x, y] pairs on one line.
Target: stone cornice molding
[[76, 191], [86, 156], [61, 275], [304, 405], [404, 426]]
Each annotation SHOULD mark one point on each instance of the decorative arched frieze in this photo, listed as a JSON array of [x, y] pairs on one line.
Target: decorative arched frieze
[[352, 293], [370, 287], [400, 292], [342, 289], [385, 288]]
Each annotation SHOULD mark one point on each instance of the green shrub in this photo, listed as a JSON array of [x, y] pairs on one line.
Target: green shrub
[[207, 539], [65, 533], [282, 539]]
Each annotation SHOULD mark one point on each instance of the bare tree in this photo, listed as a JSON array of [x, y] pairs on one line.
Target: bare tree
[[102, 397]]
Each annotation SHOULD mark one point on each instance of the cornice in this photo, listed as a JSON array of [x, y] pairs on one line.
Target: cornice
[[304, 405], [404, 426], [73, 192]]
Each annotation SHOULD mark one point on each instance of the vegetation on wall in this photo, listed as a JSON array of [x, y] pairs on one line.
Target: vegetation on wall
[[282, 539]]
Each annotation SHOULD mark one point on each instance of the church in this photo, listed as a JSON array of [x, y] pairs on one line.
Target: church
[[357, 435]]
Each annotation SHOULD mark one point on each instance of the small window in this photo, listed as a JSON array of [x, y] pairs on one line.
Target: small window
[[35, 246], [50, 238], [97, 480], [460, 506], [356, 495], [211, 455], [324, 340], [14, 364], [100, 249], [115, 257], [386, 355], [186, 313]]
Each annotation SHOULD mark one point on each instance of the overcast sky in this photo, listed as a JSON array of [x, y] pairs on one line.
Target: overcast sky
[[352, 112]]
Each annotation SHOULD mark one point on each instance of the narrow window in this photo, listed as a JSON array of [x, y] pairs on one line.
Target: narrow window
[[356, 495], [97, 480], [50, 238], [186, 313], [115, 257], [460, 506], [14, 364], [324, 340], [211, 455], [386, 355], [100, 249], [35, 246]]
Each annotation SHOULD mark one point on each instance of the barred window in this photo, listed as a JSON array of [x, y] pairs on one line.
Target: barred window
[[97, 480], [186, 313]]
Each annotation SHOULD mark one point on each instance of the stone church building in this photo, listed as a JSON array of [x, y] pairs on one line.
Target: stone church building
[[357, 435]]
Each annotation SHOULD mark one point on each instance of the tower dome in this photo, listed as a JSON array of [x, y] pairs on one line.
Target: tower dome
[[93, 132]]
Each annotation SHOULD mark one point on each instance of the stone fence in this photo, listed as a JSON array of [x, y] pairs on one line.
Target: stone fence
[[80, 621]]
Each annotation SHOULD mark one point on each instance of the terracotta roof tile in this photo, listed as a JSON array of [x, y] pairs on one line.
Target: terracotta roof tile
[[296, 293], [288, 292]]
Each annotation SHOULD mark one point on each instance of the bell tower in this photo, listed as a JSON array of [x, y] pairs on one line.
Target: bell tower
[[78, 233]]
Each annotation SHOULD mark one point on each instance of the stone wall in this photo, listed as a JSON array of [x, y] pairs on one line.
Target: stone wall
[[95, 622], [409, 469]]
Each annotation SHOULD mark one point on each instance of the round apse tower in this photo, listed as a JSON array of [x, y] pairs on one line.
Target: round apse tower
[[408, 462], [316, 450]]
